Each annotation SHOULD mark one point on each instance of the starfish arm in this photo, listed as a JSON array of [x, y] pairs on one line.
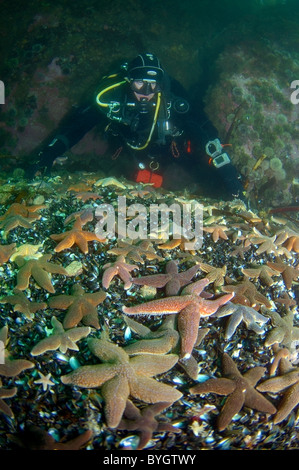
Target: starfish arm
[[74, 314], [208, 307], [288, 403], [42, 278], [153, 364], [115, 393], [108, 275], [231, 407], [276, 335], [160, 306], [51, 343], [279, 383], [81, 240], [61, 302], [151, 391], [154, 280], [12, 368], [233, 323], [23, 277], [257, 401], [90, 376], [186, 276], [75, 334], [196, 287], [67, 241], [188, 324], [254, 375], [172, 287], [221, 386], [126, 277], [107, 351]]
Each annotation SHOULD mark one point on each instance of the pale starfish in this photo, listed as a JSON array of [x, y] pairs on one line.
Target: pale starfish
[[217, 231], [120, 376], [287, 382], [81, 306], [189, 305], [110, 181], [239, 313], [263, 272], [239, 388], [27, 250], [283, 332], [135, 252], [267, 244], [45, 381], [118, 268], [214, 274], [172, 280], [38, 268], [75, 236], [22, 304], [60, 339], [145, 421], [247, 294]]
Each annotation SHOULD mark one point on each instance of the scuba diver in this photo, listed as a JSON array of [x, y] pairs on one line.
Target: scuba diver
[[147, 113]]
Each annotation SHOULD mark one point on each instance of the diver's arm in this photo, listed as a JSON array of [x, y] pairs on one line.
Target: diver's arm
[[72, 130]]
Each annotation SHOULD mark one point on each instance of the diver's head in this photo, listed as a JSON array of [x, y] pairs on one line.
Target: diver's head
[[145, 75]]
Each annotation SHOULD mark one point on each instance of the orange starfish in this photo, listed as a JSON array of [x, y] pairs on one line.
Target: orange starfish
[[75, 236], [6, 251], [190, 306]]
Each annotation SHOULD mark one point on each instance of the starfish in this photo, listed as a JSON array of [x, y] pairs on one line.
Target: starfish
[[27, 250], [19, 215], [6, 393], [6, 251], [135, 252], [267, 244], [75, 236], [118, 268], [284, 331], [85, 215], [35, 438], [87, 195], [264, 273], [288, 382], [60, 339], [38, 268], [239, 313], [11, 367], [189, 305], [247, 294], [172, 280], [110, 181], [22, 304], [45, 381], [288, 272], [145, 421], [215, 275], [81, 306], [120, 376], [160, 341], [217, 231], [240, 389]]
